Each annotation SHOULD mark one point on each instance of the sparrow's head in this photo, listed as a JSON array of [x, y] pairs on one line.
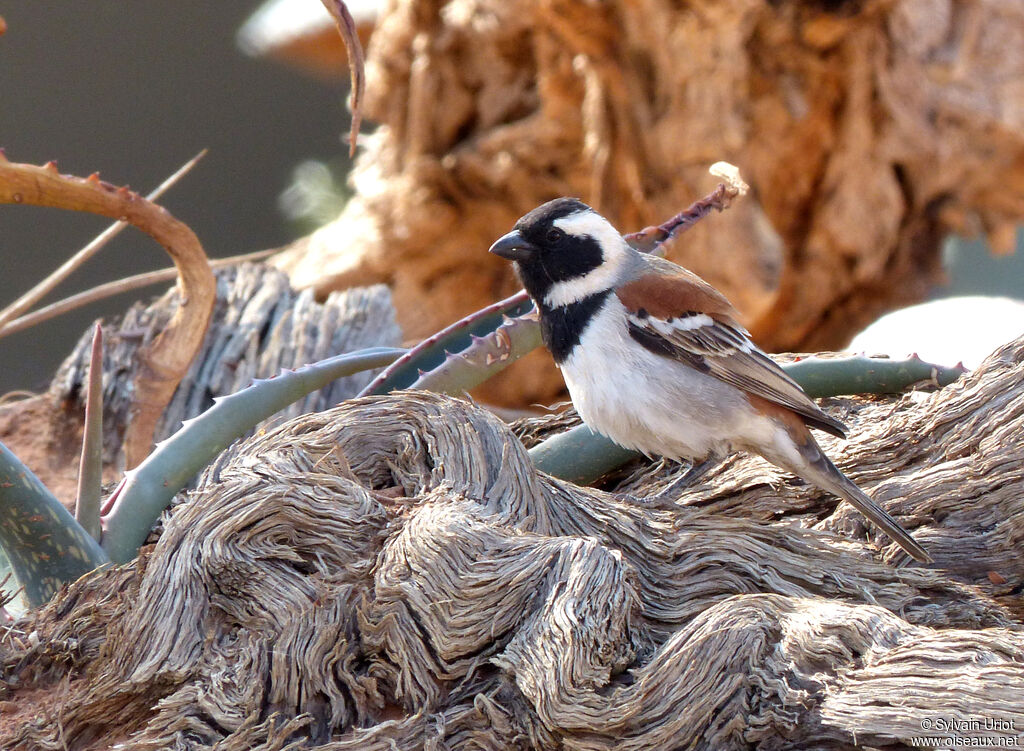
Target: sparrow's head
[[565, 251]]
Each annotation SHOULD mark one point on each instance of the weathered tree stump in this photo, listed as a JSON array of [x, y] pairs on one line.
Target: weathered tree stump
[[868, 130], [260, 325], [393, 573]]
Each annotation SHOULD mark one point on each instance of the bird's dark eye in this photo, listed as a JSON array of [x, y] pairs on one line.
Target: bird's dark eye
[[554, 235]]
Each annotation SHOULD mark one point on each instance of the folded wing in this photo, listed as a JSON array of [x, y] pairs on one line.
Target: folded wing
[[674, 313]]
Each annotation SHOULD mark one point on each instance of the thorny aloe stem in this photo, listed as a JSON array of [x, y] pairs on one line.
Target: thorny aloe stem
[[485, 357], [579, 455], [432, 351], [859, 374]]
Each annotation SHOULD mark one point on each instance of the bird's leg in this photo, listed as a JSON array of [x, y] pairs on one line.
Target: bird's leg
[[696, 471]]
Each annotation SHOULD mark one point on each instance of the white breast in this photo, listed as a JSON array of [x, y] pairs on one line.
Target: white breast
[[648, 402]]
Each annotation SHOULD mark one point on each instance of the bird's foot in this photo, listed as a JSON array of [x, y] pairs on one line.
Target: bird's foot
[[670, 493]]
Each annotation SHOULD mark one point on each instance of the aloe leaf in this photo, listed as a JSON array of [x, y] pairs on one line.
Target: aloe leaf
[[485, 357], [859, 374], [433, 351], [579, 455], [147, 490], [45, 546], [90, 467], [9, 587], [582, 456]]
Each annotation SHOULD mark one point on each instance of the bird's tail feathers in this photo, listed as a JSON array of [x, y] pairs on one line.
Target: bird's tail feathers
[[822, 472]]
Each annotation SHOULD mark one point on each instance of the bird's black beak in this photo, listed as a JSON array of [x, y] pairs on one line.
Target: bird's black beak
[[514, 247]]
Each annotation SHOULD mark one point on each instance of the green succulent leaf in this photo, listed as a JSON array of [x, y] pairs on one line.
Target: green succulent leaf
[[433, 352], [148, 489], [45, 546]]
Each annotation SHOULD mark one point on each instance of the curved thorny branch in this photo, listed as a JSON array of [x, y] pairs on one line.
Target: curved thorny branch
[[166, 359]]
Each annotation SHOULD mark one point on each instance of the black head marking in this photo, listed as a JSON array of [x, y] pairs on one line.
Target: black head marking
[[560, 256], [547, 213], [547, 255]]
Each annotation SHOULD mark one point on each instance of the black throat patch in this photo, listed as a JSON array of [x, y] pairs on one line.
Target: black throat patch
[[563, 326]]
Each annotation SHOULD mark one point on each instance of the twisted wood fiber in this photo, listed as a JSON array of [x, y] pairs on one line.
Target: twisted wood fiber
[[392, 573]]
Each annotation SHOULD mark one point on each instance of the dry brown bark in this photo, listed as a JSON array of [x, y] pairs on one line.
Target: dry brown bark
[[393, 573], [868, 129], [260, 325]]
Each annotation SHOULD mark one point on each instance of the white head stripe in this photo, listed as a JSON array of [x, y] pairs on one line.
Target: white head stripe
[[589, 224], [616, 258]]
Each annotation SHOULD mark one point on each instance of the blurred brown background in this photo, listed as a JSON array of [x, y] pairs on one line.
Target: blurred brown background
[[133, 90]]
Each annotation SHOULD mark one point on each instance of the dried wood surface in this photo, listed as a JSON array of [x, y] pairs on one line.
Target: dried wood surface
[[868, 129], [393, 574], [259, 326]]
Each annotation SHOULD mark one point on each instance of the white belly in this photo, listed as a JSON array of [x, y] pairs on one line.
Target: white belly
[[650, 403]]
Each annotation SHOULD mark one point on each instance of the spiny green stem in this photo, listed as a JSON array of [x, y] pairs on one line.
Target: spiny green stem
[[832, 376], [433, 351], [483, 358], [579, 455]]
